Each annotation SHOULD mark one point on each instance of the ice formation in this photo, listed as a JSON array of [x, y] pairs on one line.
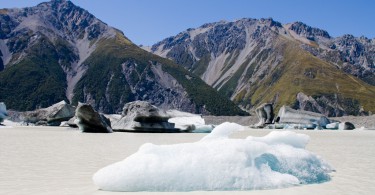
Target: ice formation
[[218, 162], [3, 112]]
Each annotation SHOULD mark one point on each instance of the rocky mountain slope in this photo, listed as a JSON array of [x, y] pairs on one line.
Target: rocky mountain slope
[[57, 51], [255, 61]]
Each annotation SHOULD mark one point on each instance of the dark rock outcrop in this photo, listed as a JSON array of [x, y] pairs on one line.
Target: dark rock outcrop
[[90, 121], [308, 31], [141, 116], [331, 105]]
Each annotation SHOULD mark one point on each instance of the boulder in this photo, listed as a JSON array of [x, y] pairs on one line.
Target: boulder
[[3, 112], [265, 114], [346, 126], [141, 116], [51, 116], [309, 119], [90, 121]]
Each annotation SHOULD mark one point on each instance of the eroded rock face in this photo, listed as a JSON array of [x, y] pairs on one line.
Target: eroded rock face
[[234, 56], [329, 105], [288, 115], [90, 121], [144, 117], [3, 112]]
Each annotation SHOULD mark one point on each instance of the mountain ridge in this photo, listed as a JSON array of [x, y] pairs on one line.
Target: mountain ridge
[[58, 51], [238, 58]]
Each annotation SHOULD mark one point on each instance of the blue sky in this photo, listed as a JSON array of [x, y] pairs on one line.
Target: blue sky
[[148, 21]]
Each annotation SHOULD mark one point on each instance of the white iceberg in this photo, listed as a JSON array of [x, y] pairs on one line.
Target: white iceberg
[[218, 162], [189, 122]]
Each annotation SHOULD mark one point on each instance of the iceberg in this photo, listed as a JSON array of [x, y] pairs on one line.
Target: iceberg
[[3, 112], [218, 162], [189, 122]]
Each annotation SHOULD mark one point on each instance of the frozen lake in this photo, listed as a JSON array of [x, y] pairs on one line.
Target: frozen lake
[[45, 160]]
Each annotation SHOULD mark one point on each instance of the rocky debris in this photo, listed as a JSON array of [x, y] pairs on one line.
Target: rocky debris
[[141, 116], [265, 115], [90, 121], [303, 119], [3, 112], [51, 116]]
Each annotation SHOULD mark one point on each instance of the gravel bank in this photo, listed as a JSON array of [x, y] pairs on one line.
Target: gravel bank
[[242, 120]]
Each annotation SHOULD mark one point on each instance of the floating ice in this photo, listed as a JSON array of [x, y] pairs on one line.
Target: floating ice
[[217, 163], [3, 112], [189, 122]]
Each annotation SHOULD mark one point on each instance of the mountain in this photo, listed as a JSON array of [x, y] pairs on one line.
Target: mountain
[[254, 61], [58, 51]]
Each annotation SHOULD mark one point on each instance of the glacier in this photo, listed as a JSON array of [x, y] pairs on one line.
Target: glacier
[[218, 162]]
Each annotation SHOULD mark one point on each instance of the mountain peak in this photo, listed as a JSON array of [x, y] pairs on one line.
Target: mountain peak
[[307, 31], [57, 50], [55, 4], [58, 2], [253, 61]]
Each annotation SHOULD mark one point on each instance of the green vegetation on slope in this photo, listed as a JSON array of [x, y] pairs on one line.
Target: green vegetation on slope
[[201, 93], [229, 87], [201, 66], [36, 81], [104, 73], [105, 65], [302, 72]]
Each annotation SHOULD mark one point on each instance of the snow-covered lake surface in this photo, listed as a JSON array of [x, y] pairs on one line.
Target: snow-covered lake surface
[[47, 160]]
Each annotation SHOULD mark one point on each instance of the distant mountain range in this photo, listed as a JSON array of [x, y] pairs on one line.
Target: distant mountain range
[[253, 61], [57, 51]]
